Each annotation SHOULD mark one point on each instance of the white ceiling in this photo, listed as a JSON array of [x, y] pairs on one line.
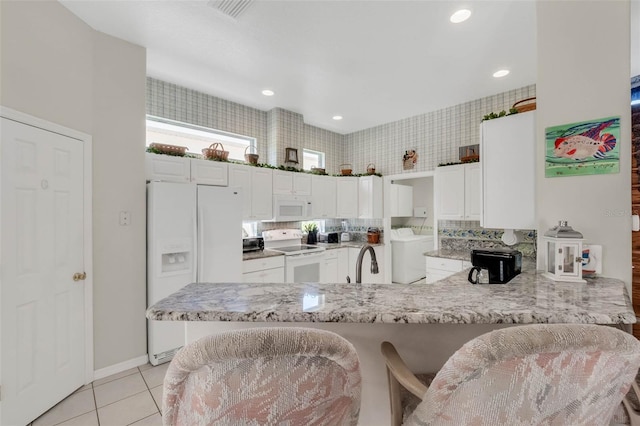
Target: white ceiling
[[372, 62]]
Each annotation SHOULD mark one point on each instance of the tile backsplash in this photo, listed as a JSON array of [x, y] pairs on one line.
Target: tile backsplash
[[357, 228], [463, 235], [436, 135]]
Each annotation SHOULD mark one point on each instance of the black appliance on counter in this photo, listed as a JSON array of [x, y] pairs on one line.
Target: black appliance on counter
[[501, 264], [252, 244], [328, 237]]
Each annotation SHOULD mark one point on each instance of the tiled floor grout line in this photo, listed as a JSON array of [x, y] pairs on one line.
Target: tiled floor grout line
[[95, 403], [149, 389], [150, 415]]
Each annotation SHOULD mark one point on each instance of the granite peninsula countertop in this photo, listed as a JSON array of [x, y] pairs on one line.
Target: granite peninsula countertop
[[528, 298], [450, 254]]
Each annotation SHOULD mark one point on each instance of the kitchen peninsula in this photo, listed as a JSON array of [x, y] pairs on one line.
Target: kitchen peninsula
[[427, 323]]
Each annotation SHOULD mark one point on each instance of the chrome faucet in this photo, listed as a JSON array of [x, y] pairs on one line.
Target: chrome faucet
[[374, 262]]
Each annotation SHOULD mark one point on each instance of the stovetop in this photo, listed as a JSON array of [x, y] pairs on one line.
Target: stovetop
[[299, 249]]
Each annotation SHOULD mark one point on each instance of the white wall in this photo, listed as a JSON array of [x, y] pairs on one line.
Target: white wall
[[119, 70], [583, 74], [57, 68]]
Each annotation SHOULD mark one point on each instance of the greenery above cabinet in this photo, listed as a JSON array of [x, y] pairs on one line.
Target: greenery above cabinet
[[264, 165]]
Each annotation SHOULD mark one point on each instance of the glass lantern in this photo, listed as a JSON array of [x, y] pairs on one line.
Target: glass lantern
[[563, 253]]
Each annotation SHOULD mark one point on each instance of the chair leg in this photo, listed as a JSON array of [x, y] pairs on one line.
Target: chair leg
[[394, 400]]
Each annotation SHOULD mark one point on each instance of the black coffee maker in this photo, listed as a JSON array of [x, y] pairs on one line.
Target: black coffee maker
[[500, 264]]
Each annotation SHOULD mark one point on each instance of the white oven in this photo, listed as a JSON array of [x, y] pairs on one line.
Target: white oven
[[305, 267], [302, 262]]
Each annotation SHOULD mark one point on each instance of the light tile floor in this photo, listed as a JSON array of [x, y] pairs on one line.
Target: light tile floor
[[132, 397]]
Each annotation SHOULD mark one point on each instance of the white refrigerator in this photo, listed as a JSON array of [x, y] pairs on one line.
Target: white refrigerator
[[194, 233]]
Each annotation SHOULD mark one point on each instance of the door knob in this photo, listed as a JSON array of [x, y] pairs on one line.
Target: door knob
[[80, 276]]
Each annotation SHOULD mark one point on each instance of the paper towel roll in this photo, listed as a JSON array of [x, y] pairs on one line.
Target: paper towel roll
[[510, 237]]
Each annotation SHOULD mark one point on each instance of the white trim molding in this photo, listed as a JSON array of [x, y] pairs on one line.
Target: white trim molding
[[119, 367]]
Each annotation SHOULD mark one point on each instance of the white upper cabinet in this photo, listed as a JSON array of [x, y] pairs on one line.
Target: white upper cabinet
[[323, 189], [209, 172], [257, 190], [507, 151], [291, 183], [457, 191], [370, 197], [401, 199], [347, 197], [167, 168], [472, 191], [180, 169]]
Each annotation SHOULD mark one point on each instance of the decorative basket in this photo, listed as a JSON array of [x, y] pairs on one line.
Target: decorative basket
[[318, 171], [371, 168], [215, 152], [250, 158], [168, 149], [525, 105], [346, 169]]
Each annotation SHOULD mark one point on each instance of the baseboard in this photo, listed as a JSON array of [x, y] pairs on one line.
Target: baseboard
[[121, 366]]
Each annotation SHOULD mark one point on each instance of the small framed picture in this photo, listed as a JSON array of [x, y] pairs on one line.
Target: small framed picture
[[291, 155]]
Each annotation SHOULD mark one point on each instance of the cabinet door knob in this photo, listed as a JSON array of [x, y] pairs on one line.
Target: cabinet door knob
[[80, 276]]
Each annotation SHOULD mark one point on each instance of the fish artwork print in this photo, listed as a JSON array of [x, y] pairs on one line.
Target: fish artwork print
[[585, 148]]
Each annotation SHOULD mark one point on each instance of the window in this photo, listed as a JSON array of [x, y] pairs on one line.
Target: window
[[195, 138], [312, 159]]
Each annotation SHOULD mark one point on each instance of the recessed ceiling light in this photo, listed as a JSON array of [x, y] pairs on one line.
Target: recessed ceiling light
[[337, 117], [460, 16], [268, 92], [500, 73]]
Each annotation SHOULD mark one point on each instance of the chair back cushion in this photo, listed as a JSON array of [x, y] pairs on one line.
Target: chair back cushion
[[536, 374], [265, 376]]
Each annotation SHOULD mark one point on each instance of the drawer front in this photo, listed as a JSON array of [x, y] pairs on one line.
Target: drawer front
[[331, 254], [254, 265], [453, 265]]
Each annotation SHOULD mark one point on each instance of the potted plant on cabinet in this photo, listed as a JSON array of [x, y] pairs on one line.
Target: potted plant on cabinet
[[312, 232]]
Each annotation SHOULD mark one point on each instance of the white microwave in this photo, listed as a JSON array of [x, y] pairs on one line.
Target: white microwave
[[291, 208]]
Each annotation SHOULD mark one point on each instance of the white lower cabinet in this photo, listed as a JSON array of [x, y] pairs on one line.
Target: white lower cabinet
[[264, 270], [439, 268], [336, 265], [367, 276]]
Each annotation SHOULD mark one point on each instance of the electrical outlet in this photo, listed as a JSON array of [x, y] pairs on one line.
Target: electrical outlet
[[125, 218]]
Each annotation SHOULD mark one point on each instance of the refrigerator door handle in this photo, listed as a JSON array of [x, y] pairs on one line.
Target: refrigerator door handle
[[199, 232]]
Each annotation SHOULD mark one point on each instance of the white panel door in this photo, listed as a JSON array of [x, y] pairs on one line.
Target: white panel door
[[43, 325]]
